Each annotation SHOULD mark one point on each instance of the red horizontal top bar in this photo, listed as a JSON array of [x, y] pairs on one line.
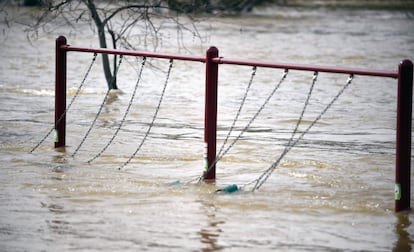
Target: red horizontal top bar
[[134, 53], [221, 60], [328, 69]]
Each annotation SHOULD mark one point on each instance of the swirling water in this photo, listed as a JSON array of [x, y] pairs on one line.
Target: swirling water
[[333, 191]]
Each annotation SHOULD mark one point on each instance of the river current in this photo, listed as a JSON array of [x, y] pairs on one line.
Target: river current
[[334, 191]]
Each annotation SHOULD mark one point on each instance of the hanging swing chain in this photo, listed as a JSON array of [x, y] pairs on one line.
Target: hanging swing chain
[[239, 111], [250, 122], [266, 174], [153, 118], [144, 59], [262, 179], [70, 104], [305, 106], [100, 108]]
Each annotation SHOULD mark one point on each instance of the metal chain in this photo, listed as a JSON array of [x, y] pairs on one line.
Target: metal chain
[[99, 110], [70, 104], [222, 153], [239, 110], [314, 78], [262, 179], [125, 114], [153, 118]]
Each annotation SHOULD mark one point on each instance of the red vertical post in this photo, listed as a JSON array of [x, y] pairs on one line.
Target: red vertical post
[[60, 93], [403, 142], [210, 116]]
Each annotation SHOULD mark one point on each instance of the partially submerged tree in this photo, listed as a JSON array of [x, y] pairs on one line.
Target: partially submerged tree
[[115, 22]]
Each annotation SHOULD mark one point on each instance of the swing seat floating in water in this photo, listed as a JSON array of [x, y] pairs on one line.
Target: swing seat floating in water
[[228, 189]]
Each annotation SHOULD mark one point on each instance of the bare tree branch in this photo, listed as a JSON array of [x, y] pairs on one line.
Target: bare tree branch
[[116, 23], [130, 7]]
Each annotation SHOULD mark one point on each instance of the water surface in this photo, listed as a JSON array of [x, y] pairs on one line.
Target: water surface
[[333, 191]]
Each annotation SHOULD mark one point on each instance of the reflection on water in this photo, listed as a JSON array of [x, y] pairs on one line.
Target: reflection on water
[[332, 192], [404, 241], [211, 232]]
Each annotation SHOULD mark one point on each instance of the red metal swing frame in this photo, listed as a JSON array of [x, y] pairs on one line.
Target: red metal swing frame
[[212, 62]]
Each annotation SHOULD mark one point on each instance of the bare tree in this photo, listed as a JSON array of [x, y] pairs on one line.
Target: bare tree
[[115, 21]]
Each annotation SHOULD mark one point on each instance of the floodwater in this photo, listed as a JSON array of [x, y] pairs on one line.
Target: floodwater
[[334, 191]]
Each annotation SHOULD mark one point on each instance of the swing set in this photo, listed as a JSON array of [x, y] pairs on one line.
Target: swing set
[[212, 62]]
